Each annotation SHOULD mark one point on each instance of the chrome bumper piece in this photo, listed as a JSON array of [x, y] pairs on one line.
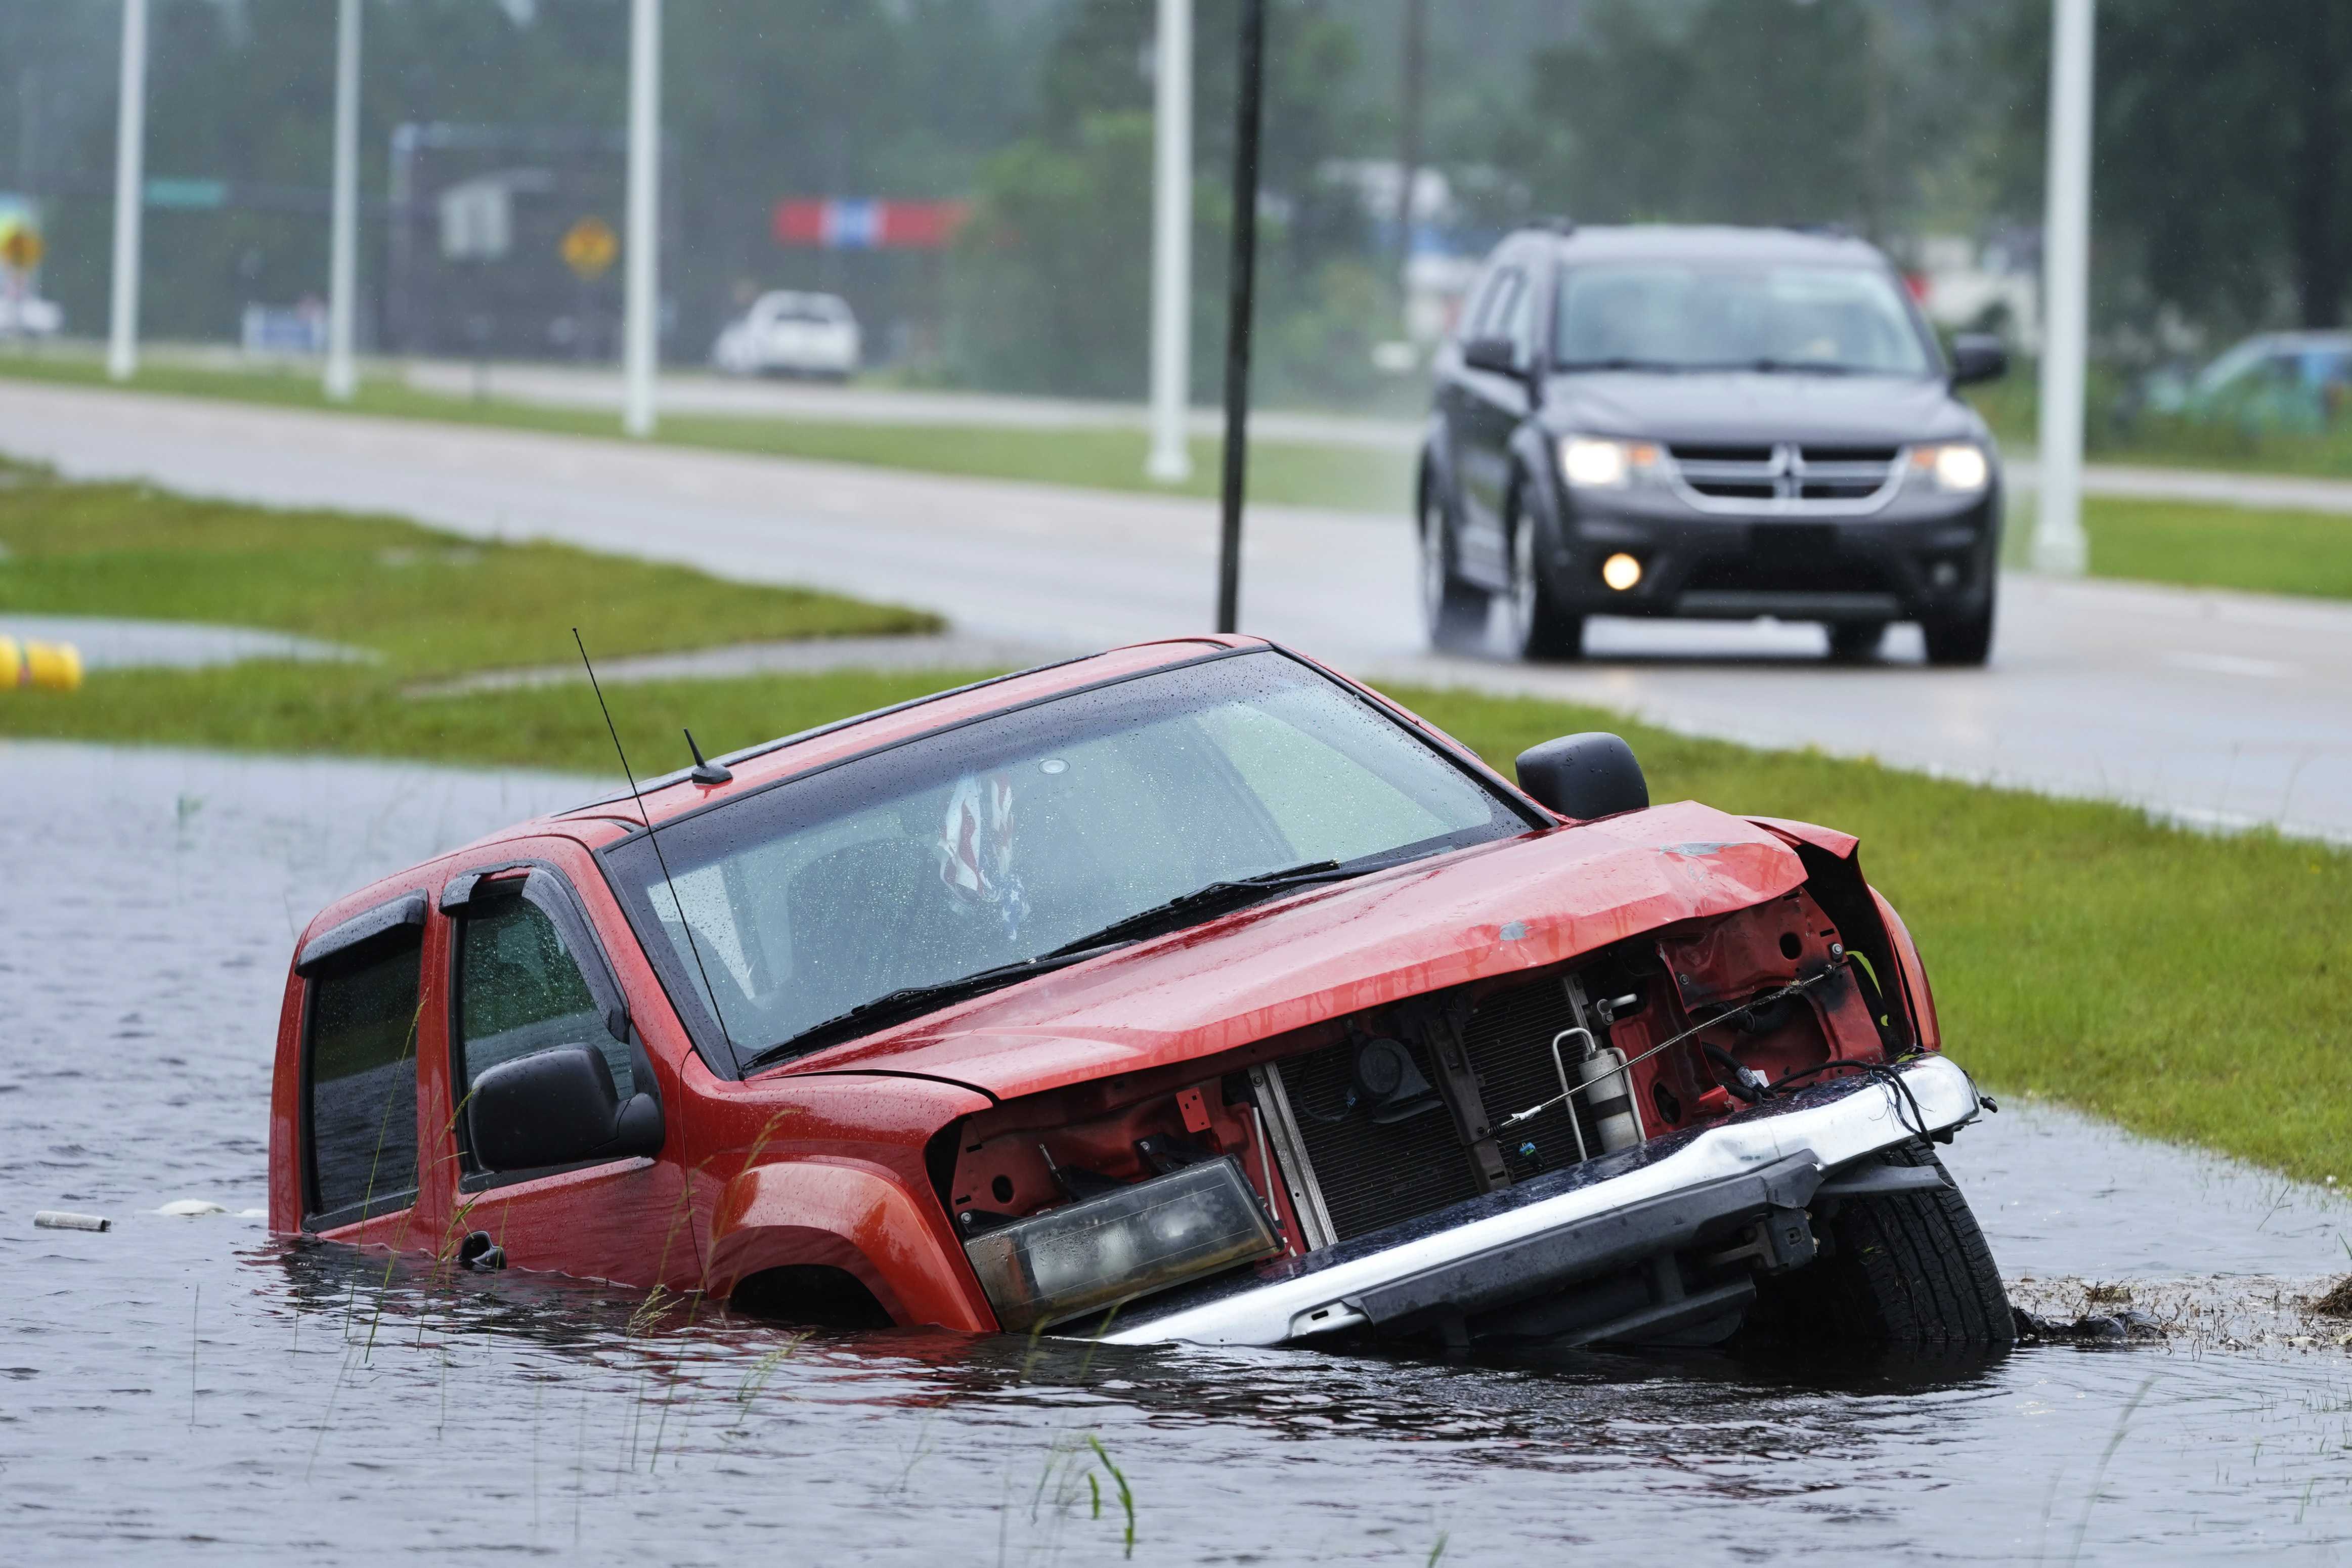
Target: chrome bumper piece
[[1781, 1149]]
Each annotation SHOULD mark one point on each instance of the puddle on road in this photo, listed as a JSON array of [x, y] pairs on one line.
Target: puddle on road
[[191, 1388]]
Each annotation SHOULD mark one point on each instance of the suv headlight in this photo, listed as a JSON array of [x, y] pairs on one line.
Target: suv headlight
[[1089, 1257], [1956, 467], [1603, 463]]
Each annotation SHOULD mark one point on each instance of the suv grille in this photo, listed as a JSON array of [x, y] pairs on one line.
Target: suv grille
[[1786, 477], [1370, 1175]]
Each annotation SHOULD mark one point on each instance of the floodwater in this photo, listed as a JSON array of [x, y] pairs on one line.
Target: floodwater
[[190, 1389]]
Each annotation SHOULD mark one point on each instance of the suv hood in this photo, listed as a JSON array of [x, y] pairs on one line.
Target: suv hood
[[1499, 908], [1739, 407]]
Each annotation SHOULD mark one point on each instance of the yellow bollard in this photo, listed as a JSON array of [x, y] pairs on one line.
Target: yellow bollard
[[50, 666]]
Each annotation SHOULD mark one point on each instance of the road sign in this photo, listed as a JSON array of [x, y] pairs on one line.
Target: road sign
[[589, 247], [20, 247]]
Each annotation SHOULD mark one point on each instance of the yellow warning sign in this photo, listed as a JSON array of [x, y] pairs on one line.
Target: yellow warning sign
[[20, 247], [589, 247]]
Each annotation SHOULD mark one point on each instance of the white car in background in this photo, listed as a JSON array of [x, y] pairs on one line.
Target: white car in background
[[29, 316], [788, 333]]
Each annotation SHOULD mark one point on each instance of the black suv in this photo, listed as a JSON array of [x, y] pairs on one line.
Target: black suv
[[1727, 423]]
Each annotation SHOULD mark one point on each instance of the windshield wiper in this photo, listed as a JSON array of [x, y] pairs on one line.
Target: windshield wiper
[[913, 1001], [1214, 898], [1767, 365], [1622, 362]]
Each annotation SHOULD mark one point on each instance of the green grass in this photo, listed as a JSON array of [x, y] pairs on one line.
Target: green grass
[[2188, 986], [1289, 473], [428, 603], [2307, 553]]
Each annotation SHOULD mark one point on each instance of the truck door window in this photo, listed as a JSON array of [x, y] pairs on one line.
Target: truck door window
[[359, 1061], [522, 988]]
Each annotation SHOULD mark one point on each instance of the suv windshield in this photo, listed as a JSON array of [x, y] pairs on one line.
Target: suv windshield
[[1005, 839], [1677, 315]]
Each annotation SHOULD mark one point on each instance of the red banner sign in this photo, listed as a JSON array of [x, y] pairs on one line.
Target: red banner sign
[[834, 223]]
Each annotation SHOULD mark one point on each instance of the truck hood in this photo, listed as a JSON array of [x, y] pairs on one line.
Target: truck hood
[[1735, 407], [1493, 910]]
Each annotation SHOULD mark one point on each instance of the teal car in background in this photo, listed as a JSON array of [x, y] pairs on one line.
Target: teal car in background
[[2271, 384]]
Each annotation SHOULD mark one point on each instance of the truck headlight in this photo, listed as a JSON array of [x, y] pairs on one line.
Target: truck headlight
[[1601, 463], [1957, 467], [1089, 1257]]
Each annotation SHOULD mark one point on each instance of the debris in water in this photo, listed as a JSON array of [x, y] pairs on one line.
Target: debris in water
[[65, 1219], [187, 1208], [2099, 1328], [2208, 1312], [2337, 1301]]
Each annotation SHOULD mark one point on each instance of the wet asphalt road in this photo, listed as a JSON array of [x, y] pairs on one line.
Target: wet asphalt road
[[190, 1390], [2216, 708]]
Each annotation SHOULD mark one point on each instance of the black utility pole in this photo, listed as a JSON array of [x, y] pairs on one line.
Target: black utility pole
[[1241, 288]]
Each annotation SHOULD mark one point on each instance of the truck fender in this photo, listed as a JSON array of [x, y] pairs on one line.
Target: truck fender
[[850, 1215]]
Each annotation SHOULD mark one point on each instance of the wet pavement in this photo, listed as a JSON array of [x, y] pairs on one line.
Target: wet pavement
[[188, 1389]]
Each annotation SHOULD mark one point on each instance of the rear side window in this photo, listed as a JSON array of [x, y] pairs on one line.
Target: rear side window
[[361, 1059], [521, 986]]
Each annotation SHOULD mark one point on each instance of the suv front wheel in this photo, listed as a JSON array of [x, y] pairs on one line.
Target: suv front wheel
[[1453, 611], [1540, 629], [1958, 639]]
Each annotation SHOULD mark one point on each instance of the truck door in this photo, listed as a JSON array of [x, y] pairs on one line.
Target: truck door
[[527, 973]]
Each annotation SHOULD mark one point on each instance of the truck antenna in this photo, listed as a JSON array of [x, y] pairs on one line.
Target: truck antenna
[[663, 861]]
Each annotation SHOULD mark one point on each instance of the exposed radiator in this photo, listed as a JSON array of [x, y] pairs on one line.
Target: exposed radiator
[[1508, 1040], [1369, 1175]]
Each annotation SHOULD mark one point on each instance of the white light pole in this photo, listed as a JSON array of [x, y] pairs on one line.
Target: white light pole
[[130, 191], [2060, 546], [343, 266], [642, 303], [1170, 461]]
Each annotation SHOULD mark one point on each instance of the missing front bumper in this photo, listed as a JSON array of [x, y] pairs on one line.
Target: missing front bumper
[[1508, 1258]]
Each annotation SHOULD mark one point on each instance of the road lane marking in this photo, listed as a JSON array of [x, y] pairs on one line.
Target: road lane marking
[[2232, 664]]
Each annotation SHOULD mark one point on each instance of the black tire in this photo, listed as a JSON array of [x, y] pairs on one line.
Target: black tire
[[1907, 1273], [1851, 642], [1959, 640], [1453, 612], [1540, 629]]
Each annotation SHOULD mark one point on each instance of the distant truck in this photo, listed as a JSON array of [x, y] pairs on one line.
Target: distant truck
[[788, 333]]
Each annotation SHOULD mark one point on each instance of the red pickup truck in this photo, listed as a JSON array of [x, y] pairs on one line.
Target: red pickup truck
[[1189, 991]]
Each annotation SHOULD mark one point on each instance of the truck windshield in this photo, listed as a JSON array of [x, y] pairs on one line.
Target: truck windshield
[[1003, 840], [1685, 316]]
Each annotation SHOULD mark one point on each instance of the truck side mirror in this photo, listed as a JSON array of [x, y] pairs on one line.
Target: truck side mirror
[[1584, 776], [1977, 356], [557, 1107]]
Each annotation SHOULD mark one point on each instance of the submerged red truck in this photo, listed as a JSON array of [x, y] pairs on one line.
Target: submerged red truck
[[1188, 992]]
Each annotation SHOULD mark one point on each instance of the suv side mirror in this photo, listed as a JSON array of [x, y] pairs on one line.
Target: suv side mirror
[[1499, 355], [557, 1107], [1977, 356], [1584, 776]]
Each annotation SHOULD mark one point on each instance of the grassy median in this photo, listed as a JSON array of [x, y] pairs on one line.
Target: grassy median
[[2186, 985], [2300, 553], [422, 602]]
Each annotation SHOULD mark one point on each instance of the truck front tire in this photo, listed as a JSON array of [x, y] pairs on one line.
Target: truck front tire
[[1906, 1272]]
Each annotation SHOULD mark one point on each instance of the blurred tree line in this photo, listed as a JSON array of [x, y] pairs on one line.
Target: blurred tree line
[[2223, 189]]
